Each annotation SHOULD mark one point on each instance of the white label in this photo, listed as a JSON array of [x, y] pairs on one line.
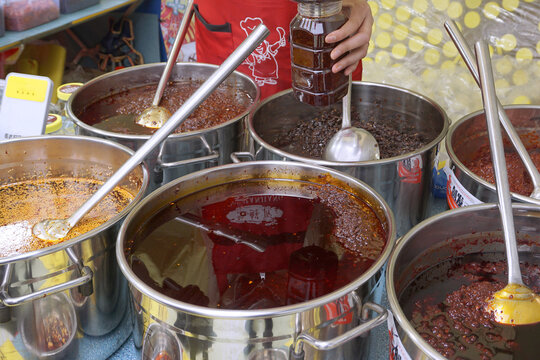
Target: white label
[[397, 350], [456, 194]]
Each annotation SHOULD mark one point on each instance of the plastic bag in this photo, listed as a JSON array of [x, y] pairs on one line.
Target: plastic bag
[[410, 48]]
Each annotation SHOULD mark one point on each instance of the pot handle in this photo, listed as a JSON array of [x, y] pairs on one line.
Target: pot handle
[[236, 157], [297, 349], [212, 154], [85, 277]]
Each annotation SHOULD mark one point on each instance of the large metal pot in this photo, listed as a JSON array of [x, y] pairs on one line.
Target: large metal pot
[[469, 134], [447, 236], [310, 327], [403, 181], [181, 153], [77, 280]]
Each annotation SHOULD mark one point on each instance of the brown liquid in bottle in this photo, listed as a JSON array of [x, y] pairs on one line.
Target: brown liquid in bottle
[[313, 81]]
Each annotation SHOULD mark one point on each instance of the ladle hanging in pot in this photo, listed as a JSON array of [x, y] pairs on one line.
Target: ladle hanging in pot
[[55, 229], [467, 55], [515, 304]]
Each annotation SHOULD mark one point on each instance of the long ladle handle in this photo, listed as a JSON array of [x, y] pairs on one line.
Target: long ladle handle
[[221, 73], [346, 116], [180, 36], [499, 163], [467, 55]]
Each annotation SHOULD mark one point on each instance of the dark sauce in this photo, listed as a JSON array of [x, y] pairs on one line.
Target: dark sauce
[[446, 306], [314, 243], [118, 112]]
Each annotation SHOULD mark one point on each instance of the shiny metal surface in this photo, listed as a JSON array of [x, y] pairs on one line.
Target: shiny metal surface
[[467, 230], [222, 72], [467, 55], [467, 135], [83, 270], [179, 154], [209, 333], [351, 143], [403, 181]]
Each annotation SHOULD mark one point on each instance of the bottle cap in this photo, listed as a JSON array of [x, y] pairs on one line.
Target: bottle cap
[[64, 91], [54, 123]]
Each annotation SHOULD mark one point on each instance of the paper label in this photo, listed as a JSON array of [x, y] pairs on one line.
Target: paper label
[[397, 350], [26, 88], [410, 170], [456, 194]]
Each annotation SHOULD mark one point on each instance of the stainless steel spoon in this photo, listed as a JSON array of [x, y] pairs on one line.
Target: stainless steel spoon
[[468, 57], [515, 304], [350, 143], [155, 116], [56, 229]]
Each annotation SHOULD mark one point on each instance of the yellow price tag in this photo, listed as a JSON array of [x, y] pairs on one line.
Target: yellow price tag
[[26, 89]]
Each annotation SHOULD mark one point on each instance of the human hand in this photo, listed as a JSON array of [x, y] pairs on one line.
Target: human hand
[[355, 34]]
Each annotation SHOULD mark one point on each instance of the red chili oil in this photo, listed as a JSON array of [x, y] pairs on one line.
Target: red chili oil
[[314, 242]]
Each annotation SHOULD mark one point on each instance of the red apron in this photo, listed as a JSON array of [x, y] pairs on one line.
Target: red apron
[[221, 25]]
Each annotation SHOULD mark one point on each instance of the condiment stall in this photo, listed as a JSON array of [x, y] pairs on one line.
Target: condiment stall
[[237, 238]]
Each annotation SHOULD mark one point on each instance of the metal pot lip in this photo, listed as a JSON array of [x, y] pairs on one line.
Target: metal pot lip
[[322, 162], [115, 135], [69, 243], [400, 244], [456, 161], [135, 282]]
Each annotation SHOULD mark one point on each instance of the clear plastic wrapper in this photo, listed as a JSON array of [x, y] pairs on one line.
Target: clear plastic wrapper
[[410, 48], [21, 15]]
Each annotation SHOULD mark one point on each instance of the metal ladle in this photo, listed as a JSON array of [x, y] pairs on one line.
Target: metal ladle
[[515, 304], [351, 143], [155, 116], [56, 229], [467, 55]]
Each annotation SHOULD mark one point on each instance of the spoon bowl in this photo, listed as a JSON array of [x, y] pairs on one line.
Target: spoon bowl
[[351, 144], [155, 116]]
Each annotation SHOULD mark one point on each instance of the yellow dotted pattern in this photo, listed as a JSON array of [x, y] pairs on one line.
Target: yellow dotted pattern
[[492, 10], [510, 5], [473, 4], [522, 99], [472, 19], [455, 9], [440, 5], [410, 34]]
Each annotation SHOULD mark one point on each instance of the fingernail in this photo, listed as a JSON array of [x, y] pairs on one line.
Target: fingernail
[[336, 68], [330, 38], [335, 54]]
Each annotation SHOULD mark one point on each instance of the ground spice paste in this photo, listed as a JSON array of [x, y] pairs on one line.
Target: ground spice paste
[[309, 136], [312, 246], [117, 113], [459, 327], [25, 203], [519, 180]]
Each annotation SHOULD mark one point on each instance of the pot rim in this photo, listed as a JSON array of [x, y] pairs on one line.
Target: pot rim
[[68, 243], [134, 281], [334, 164], [457, 162], [393, 301], [186, 134]]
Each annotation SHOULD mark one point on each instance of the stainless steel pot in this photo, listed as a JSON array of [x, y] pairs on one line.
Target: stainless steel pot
[[77, 280], [469, 134], [403, 181], [181, 153], [309, 328], [452, 234]]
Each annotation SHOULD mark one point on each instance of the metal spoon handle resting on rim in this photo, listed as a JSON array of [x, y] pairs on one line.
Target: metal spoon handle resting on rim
[[468, 57], [346, 121], [499, 163], [221, 73], [182, 30]]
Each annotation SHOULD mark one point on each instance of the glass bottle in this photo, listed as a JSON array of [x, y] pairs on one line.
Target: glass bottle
[[313, 81]]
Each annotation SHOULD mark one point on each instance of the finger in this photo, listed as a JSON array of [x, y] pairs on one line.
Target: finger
[[351, 44], [351, 59], [360, 20]]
